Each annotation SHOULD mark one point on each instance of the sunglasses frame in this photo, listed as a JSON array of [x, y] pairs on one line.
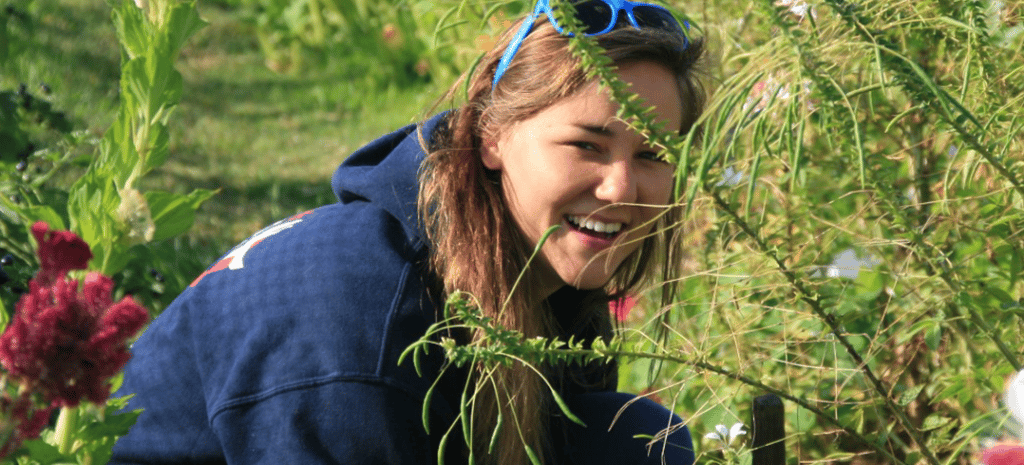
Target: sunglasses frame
[[544, 7]]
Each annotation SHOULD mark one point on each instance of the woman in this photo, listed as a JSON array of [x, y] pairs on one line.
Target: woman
[[286, 351]]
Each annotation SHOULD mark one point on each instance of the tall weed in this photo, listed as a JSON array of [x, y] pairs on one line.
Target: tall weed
[[855, 231]]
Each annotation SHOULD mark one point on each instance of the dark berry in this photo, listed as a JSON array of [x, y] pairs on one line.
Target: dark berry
[[8, 260], [157, 276], [21, 166], [29, 150]]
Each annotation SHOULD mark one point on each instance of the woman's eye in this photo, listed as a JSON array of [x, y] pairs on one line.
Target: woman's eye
[[585, 145], [652, 156]]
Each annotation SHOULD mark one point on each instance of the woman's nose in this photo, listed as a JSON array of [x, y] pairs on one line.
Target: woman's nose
[[618, 183]]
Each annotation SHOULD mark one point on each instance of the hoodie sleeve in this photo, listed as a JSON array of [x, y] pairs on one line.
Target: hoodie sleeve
[[286, 351]]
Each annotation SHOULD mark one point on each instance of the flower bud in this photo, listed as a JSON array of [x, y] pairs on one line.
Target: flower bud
[[392, 36], [134, 214]]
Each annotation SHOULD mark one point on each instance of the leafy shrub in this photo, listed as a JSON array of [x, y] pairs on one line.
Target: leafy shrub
[[855, 230]]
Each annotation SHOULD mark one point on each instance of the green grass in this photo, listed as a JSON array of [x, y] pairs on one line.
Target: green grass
[[268, 141]]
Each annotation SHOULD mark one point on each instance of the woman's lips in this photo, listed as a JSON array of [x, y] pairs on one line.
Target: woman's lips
[[594, 233]]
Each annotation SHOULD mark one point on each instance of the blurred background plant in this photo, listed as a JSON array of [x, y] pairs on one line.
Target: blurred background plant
[[855, 207]]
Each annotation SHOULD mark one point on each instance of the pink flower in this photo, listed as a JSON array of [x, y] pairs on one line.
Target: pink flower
[[1003, 454], [64, 341], [24, 421], [59, 252], [622, 306]]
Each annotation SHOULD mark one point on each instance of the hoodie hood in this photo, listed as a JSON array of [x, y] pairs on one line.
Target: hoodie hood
[[385, 172]]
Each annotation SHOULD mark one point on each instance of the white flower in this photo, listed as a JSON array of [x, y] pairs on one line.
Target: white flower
[[797, 7], [1014, 399], [731, 177], [726, 435]]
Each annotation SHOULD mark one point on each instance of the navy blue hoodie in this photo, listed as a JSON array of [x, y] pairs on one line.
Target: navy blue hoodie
[[286, 350]]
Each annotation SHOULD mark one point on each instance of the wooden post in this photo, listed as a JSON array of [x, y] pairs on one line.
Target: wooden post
[[768, 431]]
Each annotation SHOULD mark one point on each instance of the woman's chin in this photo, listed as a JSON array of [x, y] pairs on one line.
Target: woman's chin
[[588, 280]]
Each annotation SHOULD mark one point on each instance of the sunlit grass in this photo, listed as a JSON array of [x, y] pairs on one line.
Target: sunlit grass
[[269, 141]]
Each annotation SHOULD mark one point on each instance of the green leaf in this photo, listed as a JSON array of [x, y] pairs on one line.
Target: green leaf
[[532, 455], [112, 426], [565, 409], [933, 421], [4, 38], [132, 28], [42, 451], [910, 395], [91, 205], [173, 214], [159, 148], [933, 337], [869, 282], [135, 86], [117, 154], [4, 316], [47, 214], [182, 22]]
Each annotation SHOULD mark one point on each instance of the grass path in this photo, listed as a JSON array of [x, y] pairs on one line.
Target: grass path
[[269, 141]]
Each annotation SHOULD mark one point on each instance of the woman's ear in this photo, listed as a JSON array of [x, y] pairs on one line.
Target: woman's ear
[[489, 154]]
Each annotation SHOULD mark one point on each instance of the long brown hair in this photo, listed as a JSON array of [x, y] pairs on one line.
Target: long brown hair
[[476, 245]]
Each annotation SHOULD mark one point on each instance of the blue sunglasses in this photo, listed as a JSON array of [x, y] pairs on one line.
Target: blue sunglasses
[[598, 17]]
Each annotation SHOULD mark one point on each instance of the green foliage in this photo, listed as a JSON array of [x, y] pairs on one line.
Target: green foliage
[[855, 200], [391, 43], [95, 432], [104, 205], [855, 230]]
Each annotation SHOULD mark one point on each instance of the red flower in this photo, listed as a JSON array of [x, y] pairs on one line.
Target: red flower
[[59, 252], [622, 306], [1003, 454], [63, 340], [24, 421]]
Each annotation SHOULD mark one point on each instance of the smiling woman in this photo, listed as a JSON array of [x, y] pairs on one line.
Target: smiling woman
[[575, 165], [286, 351]]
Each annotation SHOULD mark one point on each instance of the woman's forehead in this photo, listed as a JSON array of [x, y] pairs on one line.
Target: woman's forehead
[[592, 106]]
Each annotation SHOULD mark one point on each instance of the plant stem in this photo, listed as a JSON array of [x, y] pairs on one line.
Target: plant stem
[[67, 423], [825, 416], [814, 301]]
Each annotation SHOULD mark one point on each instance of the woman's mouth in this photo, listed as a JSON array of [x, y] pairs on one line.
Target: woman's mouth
[[593, 227]]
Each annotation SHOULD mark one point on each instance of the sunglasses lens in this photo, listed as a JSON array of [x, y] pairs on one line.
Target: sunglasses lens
[[657, 18], [595, 15]]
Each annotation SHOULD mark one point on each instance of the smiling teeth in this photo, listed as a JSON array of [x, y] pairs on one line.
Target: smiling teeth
[[598, 226]]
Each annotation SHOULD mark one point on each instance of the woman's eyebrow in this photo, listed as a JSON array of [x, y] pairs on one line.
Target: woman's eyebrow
[[596, 129]]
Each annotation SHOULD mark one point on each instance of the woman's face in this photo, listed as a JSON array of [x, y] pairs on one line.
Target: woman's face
[[576, 166]]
